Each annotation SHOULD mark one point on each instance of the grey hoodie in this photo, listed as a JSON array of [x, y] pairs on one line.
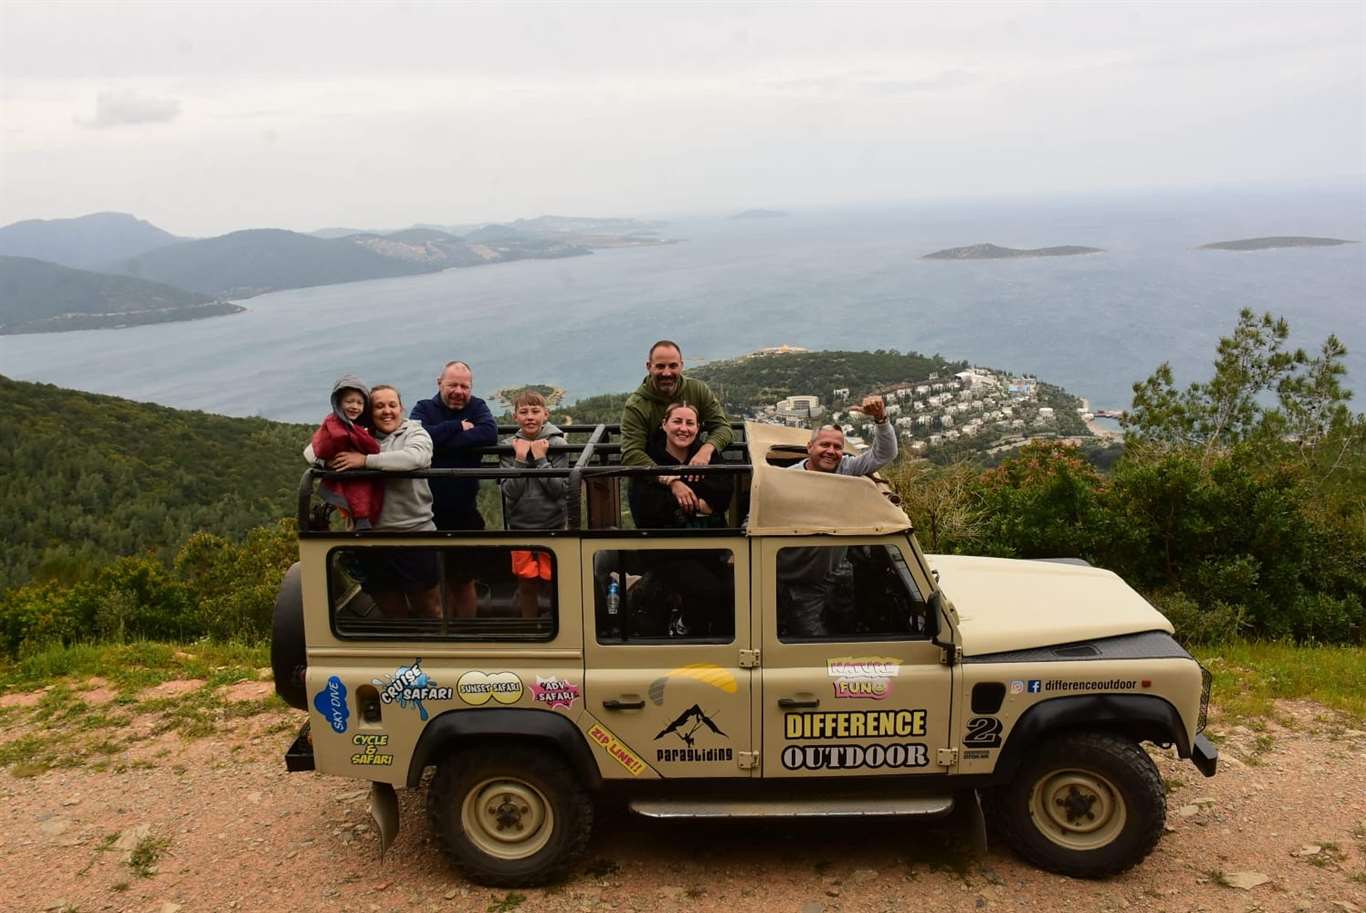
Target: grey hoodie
[[535, 503], [407, 502]]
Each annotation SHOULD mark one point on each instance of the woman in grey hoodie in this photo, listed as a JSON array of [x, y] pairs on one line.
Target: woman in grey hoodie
[[533, 502], [403, 582]]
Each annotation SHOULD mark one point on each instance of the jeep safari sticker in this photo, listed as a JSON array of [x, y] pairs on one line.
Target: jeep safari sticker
[[477, 687], [409, 685], [616, 749], [554, 692], [863, 676], [843, 757], [331, 703]]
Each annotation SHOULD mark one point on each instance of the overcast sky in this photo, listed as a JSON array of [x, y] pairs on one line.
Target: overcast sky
[[209, 117]]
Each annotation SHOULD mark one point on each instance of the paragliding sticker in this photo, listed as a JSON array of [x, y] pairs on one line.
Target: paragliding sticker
[[708, 673], [685, 726]]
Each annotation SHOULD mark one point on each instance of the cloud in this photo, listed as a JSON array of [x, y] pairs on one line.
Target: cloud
[[129, 106]]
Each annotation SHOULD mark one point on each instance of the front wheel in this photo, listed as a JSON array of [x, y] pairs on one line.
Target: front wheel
[[509, 817], [1086, 805]]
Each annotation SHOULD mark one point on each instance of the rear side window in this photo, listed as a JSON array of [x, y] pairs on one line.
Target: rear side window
[[457, 593]]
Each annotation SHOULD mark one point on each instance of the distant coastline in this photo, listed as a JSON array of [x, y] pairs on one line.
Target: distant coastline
[[1271, 243], [995, 252]]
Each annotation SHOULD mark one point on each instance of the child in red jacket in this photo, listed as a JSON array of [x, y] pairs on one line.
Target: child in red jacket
[[344, 429]]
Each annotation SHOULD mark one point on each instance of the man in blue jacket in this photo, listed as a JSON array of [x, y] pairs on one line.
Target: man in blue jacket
[[458, 423]]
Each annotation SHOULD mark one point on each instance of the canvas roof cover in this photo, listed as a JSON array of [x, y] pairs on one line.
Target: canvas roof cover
[[787, 502]]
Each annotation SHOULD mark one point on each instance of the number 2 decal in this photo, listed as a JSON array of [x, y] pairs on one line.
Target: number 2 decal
[[983, 732]]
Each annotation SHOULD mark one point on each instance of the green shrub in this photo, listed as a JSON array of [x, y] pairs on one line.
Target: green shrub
[[1217, 623]]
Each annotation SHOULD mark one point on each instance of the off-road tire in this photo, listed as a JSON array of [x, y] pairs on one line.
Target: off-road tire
[[288, 653], [1087, 804], [545, 814]]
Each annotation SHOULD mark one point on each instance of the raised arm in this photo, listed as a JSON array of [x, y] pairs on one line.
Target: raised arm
[[882, 452]]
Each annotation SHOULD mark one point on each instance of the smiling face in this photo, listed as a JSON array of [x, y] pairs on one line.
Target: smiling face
[[666, 369], [352, 404], [825, 450], [680, 427], [531, 418], [455, 384], [386, 410]]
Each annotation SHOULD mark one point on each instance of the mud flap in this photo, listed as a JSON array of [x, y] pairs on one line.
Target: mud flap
[[977, 824], [384, 809]]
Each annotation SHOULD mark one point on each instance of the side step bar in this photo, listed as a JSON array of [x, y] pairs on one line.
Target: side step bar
[[924, 806]]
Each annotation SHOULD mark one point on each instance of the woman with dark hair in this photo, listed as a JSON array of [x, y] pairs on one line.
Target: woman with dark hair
[[679, 501]]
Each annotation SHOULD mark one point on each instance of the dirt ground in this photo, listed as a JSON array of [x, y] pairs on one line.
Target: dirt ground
[[175, 824]]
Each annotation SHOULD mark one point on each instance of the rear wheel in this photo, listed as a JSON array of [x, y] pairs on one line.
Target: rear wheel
[[1086, 805], [288, 654], [509, 817]]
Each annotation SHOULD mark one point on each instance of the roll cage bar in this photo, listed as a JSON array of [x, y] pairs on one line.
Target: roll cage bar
[[593, 476]]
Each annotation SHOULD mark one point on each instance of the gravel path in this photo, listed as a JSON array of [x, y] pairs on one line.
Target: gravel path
[[221, 826]]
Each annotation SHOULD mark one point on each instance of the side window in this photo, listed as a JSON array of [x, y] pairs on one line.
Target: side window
[[848, 592], [664, 595], [455, 593]]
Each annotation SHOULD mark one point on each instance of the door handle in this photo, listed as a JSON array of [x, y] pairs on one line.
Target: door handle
[[613, 703], [790, 702]]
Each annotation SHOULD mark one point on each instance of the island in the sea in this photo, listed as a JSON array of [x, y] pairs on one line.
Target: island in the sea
[[994, 252], [1274, 242]]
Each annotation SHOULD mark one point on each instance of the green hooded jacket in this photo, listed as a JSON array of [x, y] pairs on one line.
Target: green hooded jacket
[[644, 412]]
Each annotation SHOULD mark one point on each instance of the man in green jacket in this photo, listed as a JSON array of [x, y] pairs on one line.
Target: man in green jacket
[[663, 385]]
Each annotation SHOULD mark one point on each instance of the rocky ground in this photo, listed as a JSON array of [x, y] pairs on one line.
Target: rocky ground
[[163, 811]]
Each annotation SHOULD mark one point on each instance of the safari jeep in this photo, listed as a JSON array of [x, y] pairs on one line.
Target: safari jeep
[[661, 664]]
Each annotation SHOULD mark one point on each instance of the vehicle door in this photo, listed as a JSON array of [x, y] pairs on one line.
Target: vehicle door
[[851, 683], [667, 620]]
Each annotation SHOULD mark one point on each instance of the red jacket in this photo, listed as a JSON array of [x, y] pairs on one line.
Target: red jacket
[[359, 501]]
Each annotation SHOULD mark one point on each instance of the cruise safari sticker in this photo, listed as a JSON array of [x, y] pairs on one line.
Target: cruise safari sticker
[[863, 676], [554, 692], [331, 703], [616, 749], [477, 687], [410, 686]]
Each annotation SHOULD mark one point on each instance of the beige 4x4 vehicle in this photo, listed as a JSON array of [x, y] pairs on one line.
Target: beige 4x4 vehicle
[[661, 664]]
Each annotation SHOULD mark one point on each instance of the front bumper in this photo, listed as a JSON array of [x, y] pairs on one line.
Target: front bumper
[[299, 756], [1204, 755]]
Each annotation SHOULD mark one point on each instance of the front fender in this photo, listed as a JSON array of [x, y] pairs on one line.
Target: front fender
[[1144, 717], [454, 728]]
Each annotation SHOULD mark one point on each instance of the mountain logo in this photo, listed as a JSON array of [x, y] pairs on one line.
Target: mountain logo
[[687, 724]]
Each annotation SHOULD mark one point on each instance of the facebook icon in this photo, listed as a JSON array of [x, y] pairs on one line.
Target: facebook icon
[[1035, 686]]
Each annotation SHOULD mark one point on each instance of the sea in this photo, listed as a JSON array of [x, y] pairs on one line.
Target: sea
[[835, 278]]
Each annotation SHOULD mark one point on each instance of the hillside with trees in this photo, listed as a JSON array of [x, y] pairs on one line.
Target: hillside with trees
[[40, 297], [85, 478]]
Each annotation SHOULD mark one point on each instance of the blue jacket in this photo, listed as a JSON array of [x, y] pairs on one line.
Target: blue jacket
[[451, 448]]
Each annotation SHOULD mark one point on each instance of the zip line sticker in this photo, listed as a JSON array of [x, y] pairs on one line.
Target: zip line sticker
[[616, 749]]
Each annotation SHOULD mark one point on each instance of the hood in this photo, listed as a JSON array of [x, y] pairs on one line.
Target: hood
[[1006, 604], [548, 430], [348, 382]]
